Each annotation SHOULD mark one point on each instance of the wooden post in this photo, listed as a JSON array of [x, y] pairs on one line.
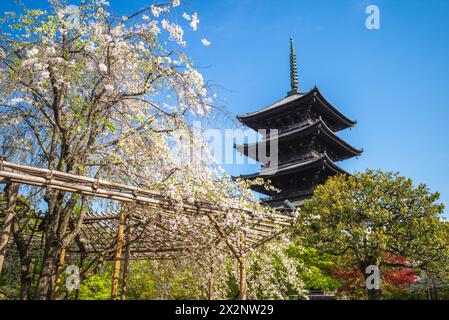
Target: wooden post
[[59, 268], [211, 281], [243, 269], [118, 257], [243, 284], [11, 193], [126, 262]]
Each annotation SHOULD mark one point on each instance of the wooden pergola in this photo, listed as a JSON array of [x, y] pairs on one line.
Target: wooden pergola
[[150, 225]]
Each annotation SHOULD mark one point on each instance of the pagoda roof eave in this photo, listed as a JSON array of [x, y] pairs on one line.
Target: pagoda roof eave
[[318, 125], [334, 110], [272, 106], [287, 101], [331, 135], [324, 161]]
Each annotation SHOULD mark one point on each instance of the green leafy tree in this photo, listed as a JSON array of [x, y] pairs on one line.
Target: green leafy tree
[[376, 214], [149, 280], [318, 266], [97, 287]]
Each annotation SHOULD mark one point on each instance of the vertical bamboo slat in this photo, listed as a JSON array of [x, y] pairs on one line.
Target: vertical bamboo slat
[[118, 257], [211, 282], [243, 269], [126, 262]]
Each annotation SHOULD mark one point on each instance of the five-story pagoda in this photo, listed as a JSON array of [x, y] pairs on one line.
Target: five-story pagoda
[[308, 147]]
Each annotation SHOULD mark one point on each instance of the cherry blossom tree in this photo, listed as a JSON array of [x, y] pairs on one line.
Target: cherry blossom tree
[[90, 93]]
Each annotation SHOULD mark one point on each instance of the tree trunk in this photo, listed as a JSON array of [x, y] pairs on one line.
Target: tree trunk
[[81, 264], [59, 269], [374, 294], [26, 277], [372, 279], [45, 284], [56, 222], [48, 268], [26, 262], [11, 193]]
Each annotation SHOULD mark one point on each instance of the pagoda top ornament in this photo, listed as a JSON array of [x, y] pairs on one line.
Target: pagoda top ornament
[[293, 70]]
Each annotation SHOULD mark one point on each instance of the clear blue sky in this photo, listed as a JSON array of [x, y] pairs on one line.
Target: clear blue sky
[[394, 81]]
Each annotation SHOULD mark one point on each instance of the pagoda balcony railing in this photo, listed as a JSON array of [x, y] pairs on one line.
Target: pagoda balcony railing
[[296, 126], [303, 157], [305, 123], [292, 127], [288, 195]]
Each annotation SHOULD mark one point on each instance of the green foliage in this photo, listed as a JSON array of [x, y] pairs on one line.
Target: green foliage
[[147, 280], [164, 280], [141, 284], [376, 214], [10, 278], [97, 287], [316, 274]]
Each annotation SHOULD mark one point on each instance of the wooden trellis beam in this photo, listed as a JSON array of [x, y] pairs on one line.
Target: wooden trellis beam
[[151, 217]]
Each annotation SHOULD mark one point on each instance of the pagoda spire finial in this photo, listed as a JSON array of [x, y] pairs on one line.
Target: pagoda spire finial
[[293, 70]]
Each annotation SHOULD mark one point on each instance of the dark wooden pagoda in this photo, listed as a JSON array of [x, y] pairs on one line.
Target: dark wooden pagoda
[[308, 147]]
